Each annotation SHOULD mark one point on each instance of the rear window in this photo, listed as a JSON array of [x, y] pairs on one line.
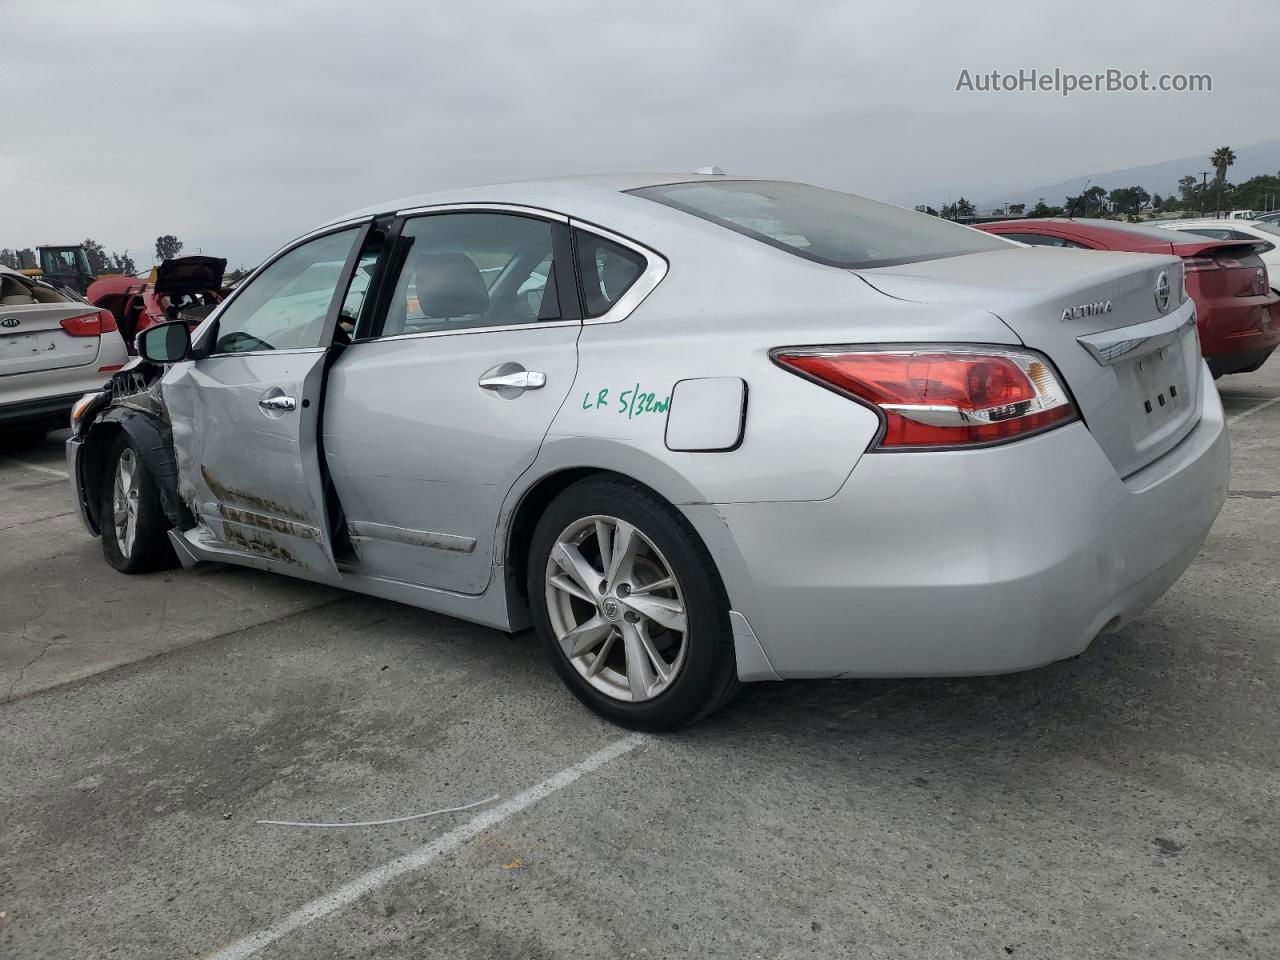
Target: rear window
[[826, 226], [1042, 240], [17, 290]]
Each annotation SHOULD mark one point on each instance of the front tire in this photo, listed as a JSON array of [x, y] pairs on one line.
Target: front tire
[[629, 607], [134, 529]]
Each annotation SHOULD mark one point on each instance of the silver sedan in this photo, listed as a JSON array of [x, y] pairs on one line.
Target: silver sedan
[[694, 430]]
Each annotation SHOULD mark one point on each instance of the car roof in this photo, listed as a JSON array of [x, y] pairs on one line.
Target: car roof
[[583, 194]]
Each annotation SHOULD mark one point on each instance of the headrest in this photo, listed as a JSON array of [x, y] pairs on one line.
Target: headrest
[[449, 285]]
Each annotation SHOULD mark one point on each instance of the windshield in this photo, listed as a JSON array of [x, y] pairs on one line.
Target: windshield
[[64, 260], [838, 229]]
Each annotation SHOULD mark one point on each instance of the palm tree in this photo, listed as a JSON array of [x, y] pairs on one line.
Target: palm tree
[[1221, 158]]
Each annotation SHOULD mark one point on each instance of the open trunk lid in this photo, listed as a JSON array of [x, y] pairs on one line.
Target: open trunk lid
[[194, 274], [1132, 365]]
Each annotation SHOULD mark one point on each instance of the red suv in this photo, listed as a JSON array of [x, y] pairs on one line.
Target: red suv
[[1237, 313]]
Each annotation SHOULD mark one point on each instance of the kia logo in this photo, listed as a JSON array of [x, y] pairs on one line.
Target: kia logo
[[10, 322]]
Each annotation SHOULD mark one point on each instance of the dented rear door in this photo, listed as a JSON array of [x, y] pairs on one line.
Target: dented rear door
[[245, 411]]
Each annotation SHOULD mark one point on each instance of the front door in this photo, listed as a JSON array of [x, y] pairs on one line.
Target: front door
[[245, 411], [447, 392]]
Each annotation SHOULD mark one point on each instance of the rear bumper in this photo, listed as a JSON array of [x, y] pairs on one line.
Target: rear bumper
[[1243, 325], [974, 562], [54, 411]]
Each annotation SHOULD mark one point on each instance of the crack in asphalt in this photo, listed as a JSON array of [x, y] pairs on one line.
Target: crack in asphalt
[[22, 628], [11, 697], [24, 523]]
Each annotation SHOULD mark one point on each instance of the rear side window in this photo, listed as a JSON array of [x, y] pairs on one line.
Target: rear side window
[[16, 291], [826, 226], [607, 269], [458, 271]]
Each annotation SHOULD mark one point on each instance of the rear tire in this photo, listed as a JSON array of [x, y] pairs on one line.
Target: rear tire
[[633, 663], [135, 536]]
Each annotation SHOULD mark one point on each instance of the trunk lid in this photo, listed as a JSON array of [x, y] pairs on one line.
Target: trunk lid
[[194, 274], [1230, 269], [1133, 368], [32, 338]]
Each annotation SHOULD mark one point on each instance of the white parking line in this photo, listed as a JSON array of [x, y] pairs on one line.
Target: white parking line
[[1252, 410], [350, 892], [38, 468]]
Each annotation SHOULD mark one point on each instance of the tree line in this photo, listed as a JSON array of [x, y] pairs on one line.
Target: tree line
[[1193, 197], [100, 260]]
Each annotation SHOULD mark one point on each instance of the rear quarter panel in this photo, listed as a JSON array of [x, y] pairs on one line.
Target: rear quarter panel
[[725, 303]]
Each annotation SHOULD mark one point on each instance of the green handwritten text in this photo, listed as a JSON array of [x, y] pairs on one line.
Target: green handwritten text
[[631, 403]]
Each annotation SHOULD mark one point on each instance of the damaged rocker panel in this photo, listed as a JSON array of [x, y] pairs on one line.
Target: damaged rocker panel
[[364, 530], [260, 521]]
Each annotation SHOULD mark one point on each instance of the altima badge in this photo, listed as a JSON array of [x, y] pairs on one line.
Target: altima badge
[[1087, 310]]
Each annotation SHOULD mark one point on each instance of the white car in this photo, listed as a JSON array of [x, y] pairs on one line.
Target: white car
[[53, 349], [1260, 230]]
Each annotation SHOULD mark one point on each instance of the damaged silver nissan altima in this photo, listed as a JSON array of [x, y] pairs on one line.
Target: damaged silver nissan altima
[[695, 430]]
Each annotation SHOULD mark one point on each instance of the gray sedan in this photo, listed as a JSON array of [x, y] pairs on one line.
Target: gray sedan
[[695, 430]]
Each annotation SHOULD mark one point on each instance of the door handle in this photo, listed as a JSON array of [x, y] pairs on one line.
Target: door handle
[[519, 380], [278, 403]]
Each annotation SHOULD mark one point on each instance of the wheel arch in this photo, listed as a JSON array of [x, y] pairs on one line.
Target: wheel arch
[[154, 442], [566, 465]]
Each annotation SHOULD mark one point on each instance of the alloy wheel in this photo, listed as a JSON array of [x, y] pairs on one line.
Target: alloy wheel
[[616, 608], [124, 501]]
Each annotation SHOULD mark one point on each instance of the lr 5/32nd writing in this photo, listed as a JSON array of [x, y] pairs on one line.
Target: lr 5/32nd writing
[[631, 402]]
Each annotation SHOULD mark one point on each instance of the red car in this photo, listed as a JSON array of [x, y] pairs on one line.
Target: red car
[[1236, 311], [185, 288]]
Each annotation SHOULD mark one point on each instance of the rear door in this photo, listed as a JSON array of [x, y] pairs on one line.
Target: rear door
[[245, 412], [445, 396]]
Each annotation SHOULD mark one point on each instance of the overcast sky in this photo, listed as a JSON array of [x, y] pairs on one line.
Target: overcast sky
[[238, 125]]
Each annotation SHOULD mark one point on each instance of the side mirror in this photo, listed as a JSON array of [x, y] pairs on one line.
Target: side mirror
[[164, 342]]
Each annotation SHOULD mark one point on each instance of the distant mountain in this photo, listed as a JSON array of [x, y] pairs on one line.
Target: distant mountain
[[1161, 178]]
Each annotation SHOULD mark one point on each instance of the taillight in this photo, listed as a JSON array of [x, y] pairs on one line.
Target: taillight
[[1196, 264], [942, 396], [90, 324]]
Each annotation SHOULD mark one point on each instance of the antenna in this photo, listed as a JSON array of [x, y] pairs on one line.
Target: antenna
[[709, 172], [1080, 196]]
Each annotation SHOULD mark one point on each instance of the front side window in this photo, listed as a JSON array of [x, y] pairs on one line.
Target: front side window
[[607, 270], [838, 229], [464, 270], [286, 305]]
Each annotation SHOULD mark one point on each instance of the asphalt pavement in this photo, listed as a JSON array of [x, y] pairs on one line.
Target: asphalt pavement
[[1120, 804]]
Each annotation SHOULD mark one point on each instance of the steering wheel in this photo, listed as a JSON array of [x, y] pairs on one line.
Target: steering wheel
[[241, 342]]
